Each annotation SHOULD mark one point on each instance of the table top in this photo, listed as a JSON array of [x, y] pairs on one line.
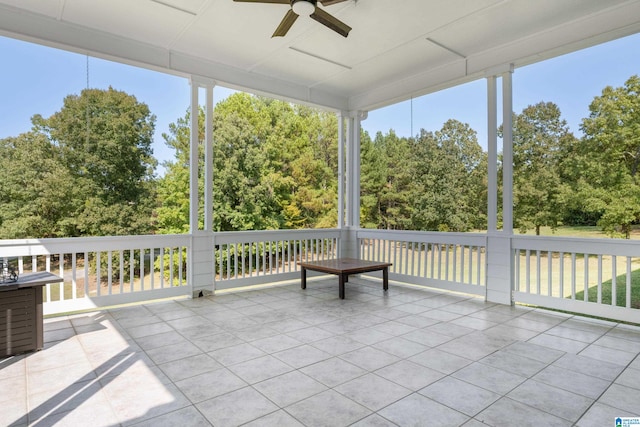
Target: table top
[[344, 265], [27, 280]]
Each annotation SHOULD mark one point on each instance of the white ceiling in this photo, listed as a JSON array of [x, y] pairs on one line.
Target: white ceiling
[[397, 48]]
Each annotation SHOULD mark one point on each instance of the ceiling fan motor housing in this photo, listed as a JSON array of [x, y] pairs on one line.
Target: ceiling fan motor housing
[[304, 7]]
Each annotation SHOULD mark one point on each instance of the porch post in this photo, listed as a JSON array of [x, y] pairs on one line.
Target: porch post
[[492, 148], [499, 256], [200, 258], [208, 162], [352, 216], [341, 177], [507, 152], [193, 160]]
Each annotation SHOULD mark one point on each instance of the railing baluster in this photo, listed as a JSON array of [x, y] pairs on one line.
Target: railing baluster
[[462, 270], [538, 273], [121, 271], [454, 269], [152, 266], [628, 284], [61, 271], [162, 267], [98, 273], [614, 281], [86, 273], [561, 284], [180, 278], [573, 275], [549, 272], [109, 271], [229, 247], [142, 256], [599, 294], [74, 282], [586, 278], [433, 249]]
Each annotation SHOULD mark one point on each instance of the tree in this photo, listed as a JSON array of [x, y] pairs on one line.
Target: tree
[[35, 189], [449, 178], [609, 158], [386, 182], [538, 134], [274, 167], [104, 141]]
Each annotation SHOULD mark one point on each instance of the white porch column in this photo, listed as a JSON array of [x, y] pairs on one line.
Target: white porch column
[[201, 273], [341, 175], [352, 210], [499, 255], [507, 152], [492, 148], [208, 161], [193, 160]]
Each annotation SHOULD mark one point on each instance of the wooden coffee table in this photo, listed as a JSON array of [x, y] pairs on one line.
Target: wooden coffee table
[[343, 267]]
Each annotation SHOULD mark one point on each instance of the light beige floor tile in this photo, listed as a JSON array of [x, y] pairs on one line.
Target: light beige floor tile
[[301, 356], [289, 388], [489, 378], [185, 417], [562, 403], [409, 374], [333, 372], [260, 369], [459, 395], [327, 409], [210, 384], [275, 419], [372, 391], [506, 413], [369, 358], [180, 369], [236, 408], [417, 410]]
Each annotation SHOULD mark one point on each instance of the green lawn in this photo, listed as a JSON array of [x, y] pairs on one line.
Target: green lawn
[[621, 290]]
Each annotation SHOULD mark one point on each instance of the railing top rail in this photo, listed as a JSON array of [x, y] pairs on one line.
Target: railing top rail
[[619, 247], [273, 235], [476, 239], [22, 247]]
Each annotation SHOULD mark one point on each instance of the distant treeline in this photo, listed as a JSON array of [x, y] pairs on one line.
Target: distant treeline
[[88, 170]]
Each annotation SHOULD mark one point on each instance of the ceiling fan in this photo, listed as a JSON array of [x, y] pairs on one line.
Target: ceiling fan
[[307, 8]]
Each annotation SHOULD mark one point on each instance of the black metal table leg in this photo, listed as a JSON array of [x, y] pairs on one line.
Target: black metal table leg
[[385, 278]]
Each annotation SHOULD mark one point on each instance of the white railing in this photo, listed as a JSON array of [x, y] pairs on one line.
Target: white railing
[[452, 261], [101, 271], [579, 275], [244, 258]]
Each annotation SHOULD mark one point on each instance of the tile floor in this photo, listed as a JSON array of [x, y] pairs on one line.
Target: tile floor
[[286, 357]]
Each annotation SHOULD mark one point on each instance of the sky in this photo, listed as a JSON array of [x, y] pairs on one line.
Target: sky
[[35, 80]]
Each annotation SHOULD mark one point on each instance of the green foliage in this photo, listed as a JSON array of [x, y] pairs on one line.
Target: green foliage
[[449, 166], [434, 182], [602, 168], [274, 167], [539, 134], [35, 189], [86, 170]]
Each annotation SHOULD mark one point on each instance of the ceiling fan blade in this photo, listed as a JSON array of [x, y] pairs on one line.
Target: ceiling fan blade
[[330, 21], [285, 24], [330, 2], [265, 1]]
